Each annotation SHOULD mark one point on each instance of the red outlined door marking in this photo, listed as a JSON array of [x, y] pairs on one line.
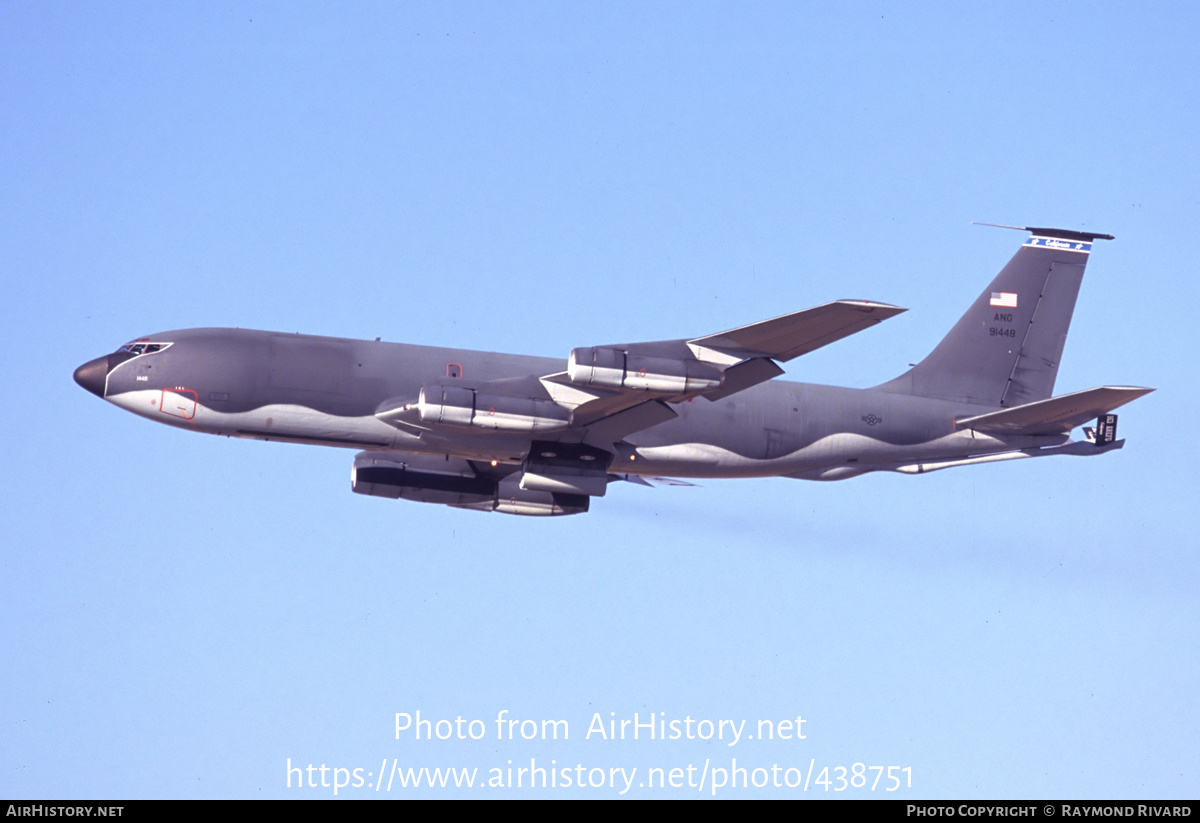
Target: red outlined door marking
[[178, 402]]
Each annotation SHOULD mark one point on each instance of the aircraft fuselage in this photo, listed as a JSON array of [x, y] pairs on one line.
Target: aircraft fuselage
[[325, 391], [537, 435]]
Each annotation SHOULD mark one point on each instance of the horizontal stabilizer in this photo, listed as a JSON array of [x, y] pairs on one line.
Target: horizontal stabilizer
[[792, 335], [1058, 415]]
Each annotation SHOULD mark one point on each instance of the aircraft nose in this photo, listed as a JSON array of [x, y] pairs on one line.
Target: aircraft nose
[[91, 375]]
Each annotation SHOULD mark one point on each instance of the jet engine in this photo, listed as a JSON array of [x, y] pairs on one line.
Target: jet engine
[[454, 482], [421, 478], [616, 369], [512, 499], [458, 406]]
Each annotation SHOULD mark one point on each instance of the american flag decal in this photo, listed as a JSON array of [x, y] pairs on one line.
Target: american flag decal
[[1004, 298]]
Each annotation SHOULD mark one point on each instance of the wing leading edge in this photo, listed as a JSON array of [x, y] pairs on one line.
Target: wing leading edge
[[784, 338]]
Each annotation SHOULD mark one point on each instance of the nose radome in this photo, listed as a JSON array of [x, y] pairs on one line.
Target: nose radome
[[92, 374]]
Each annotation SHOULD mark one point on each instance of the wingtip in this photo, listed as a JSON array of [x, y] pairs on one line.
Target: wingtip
[[872, 305]]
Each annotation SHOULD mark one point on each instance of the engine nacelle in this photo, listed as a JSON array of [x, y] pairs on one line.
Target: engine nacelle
[[429, 479], [615, 369], [458, 406], [512, 499], [424, 479]]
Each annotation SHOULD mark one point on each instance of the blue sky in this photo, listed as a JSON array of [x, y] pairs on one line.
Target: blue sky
[[185, 615]]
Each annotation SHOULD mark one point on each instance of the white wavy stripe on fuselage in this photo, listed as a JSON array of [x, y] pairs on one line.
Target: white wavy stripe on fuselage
[[707, 460], [299, 424], [277, 421]]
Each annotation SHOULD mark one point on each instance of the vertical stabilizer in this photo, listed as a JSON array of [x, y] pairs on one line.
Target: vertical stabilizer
[[1005, 350]]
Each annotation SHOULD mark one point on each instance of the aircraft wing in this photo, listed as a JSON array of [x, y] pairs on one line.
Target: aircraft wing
[[713, 366], [792, 335], [608, 392], [1056, 415], [616, 390]]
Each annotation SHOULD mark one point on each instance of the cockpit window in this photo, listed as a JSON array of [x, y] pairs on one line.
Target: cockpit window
[[143, 347]]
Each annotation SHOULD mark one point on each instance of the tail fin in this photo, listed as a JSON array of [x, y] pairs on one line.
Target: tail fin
[[1005, 350]]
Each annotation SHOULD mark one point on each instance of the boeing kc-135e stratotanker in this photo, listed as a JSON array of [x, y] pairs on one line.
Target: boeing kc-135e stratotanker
[[524, 435]]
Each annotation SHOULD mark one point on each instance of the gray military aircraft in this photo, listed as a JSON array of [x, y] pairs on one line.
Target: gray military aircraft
[[524, 435]]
